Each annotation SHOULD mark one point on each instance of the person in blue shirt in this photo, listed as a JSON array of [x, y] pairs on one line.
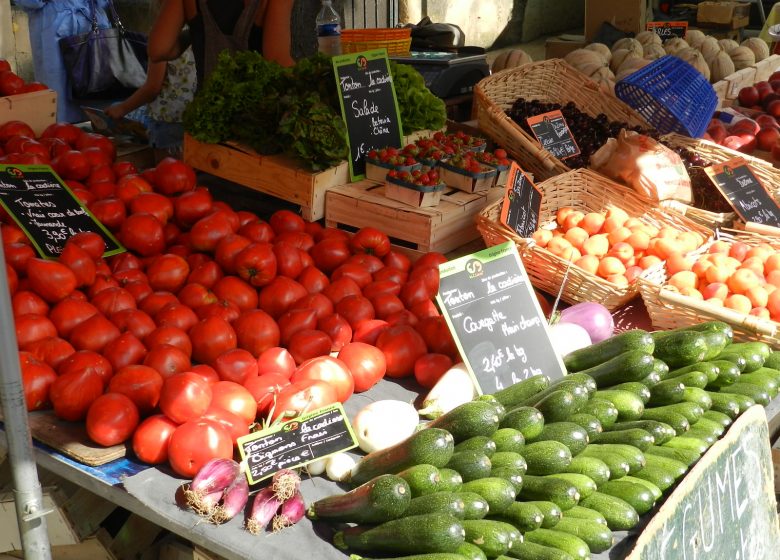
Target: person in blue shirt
[[50, 21]]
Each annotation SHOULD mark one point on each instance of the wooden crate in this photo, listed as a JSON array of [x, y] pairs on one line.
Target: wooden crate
[[37, 108], [443, 228], [728, 88], [765, 68], [277, 175]]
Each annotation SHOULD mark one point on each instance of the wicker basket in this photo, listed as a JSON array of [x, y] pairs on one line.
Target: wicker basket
[[669, 309], [587, 191], [550, 81], [397, 41]]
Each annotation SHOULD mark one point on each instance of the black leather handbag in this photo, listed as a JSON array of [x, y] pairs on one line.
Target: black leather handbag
[[107, 63]]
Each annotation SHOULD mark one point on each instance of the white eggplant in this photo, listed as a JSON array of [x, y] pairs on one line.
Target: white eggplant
[[339, 466], [317, 467], [453, 389], [382, 424]]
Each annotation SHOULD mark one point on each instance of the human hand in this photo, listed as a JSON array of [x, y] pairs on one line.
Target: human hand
[[116, 111]]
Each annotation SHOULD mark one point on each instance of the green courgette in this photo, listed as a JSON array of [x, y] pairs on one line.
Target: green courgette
[[580, 512], [602, 409], [450, 480], [525, 419], [583, 483], [629, 406], [753, 392], [475, 418], [691, 411], [619, 514], [509, 459], [639, 389], [710, 369], [632, 365], [605, 350], [592, 467], [598, 537], [639, 438], [513, 475], [692, 379], [660, 431], [616, 464], [588, 422], [543, 488], [636, 495], [546, 457], [483, 444], [659, 477], [508, 439], [498, 492], [432, 532], [422, 479], [685, 456], [514, 395], [697, 396], [493, 537], [654, 490], [689, 442], [681, 348], [380, 499], [718, 417], [559, 405], [632, 455], [551, 513], [469, 551], [474, 505], [470, 464], [570, 434], [439, 502], [728, 374], [672, 466], [570, 544], [523, 515], [669, 391], [533, 551]]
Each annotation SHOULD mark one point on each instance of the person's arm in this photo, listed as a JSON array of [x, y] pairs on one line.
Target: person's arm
[[165, 38], [277, 39], [155, 75]]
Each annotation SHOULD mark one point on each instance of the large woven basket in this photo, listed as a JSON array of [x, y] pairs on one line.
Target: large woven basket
[[549, 81], [586, 191], [668, 309]]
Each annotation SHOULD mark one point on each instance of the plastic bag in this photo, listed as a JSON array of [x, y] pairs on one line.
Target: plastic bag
[[644, 164]]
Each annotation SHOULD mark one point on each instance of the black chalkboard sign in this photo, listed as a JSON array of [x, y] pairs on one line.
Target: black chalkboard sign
[[368, 105], [553, 134], [495, 318], [668, 29], [522, 203], [47, 210], [745, 192], [296, 442]]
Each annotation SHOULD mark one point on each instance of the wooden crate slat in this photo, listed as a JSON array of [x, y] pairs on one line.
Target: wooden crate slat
[[37, 108]]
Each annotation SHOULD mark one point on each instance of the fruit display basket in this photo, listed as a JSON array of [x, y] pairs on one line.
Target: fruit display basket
[[377, 170], [669, 309], [551, 81], [420, 196], [468, 181], [587, 191], [397, 41]]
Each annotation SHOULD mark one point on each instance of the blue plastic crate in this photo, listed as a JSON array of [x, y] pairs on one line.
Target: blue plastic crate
[[671, 94]]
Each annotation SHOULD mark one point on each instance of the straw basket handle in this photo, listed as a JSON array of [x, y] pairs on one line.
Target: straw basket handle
[[546, 158], [762, 229], [749, 322]]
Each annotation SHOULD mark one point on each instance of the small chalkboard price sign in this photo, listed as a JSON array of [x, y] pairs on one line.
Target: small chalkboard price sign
[[668, 29], [745, 192], [47, 210], [495, 318], [522, 203], [553, 134], [296, 442], [368, 105]]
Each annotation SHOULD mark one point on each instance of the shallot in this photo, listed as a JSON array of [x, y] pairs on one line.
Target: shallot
[[292, 511], [233, 500], [212, 479], [285, 484], [264, 508]]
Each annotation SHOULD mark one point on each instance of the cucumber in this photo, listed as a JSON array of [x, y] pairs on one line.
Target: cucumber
[[483, 444], [674, 467], [702, 434], [523, 515], [681, 348], [583, 378], [773, 360], [753, 392], [515, 394], [429, 556], [693, 379], [551, 513], [697, 396], [660, 369], [380, 499], [508, 439], [691, 411], [474, 505], [629, 406], [475, 418], [422, 479], [543, 488], [639, 438], [617, 464], [728, 373], [718, 417], [431, 446], [492, 537], [660, 431], [605, 350], [619, 514], [735, 358], [658, 477], [439, 502], [449, 480], [710, 369], [709, 326], [581, 386], [716, 342], [770, 371], [652, 378], [677, 421], [498, 492], [742, 401], [432, 532], [689, 442], [685, 456], [604, 410], [546, 457], [509, 459], [637, 495], [753, 355], [497, 406], [525, 419], [558, 406], [533, 551], [588, 422], [715, 428], [629, 366], [639, 389], [654, 490], [584, 484], [752, 347], [570, 434], [725, 403], [513, 475], [469, 551], [669, 391], [570, 544], [592, 467], [767, 382], [580, 512], [470, 464], [598, 537], [633, 456]]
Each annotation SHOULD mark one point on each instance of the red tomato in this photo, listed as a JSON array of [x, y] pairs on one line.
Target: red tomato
[[386, 304], [113, 300], [206, 232], [12, 278], [111, 419], [122, 168], [233, 423], [151, 437], [191, 206], [299, 239], [176, 315], [313, 279], [10, 83], [80, 262], [72, 394], [143, 233], [208, 373], [93, 139], [223, 309], [195, 443], [94, 334], [306, 395], [425, 309], [134, 321], [141, 384], [37, 378], [68, 132], [402, 345], [235, 398], [130, 186], [366, 363], [169, 335], [126, 350], [355, 308], [334, 233], [184, 396], [341, 288], [87, 361], [296, 320], [156, 301], [110, 212], [332, 371], [257, 232], [246, 217], [276, 360], [194, 295], [52, 351], [256, 263], [437, 336], [24, 302], [369, 331], [286, 220], [358, 273], [237, 291], [321, 305], [210, 338], [414, 292], [31, 328], [371, 263], [72, 165], [429, 368], [329, 253], [227, 249], [404, 317], [279, 295], [18, 255], [309, 343], [288, 260], [174, 176], [236, 365], [102, 282], [256, 331], [394, 259], [264, 389], [51, 280], [370, 240], [380, 287], [167, 360], [337, 328], [391, 274], [168, 272], [433, 259], [430, 277]]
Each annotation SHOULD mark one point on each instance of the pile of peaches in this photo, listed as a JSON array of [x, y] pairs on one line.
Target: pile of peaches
[[613, 245]]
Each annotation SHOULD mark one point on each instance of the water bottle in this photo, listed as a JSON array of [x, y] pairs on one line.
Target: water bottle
[[328, 29]]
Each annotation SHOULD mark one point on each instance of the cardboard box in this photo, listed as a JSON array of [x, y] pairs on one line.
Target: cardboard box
[[629, 16], [558, 47], [731, 15]]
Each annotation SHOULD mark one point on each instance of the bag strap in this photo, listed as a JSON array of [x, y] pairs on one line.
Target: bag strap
[[93, 15]]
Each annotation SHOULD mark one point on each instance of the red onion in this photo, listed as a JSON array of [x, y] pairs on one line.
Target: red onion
[[211, 480], [591, 316], [264, 507], [285, 484], [233, 500], [292, 512]]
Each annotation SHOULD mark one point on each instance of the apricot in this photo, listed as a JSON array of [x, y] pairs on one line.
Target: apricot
[[758, 296], [573, 220], [563, 213], [597, 245], [542, 237], [719, 247], [648, 261], [742, 280], [677, 262], [632, 273], [576, 236], [684, 279], [593, 222], [622, 251], [618, 279], [692, 292], [609, 266], [617, 214], [588, 263], [639, 240], [717, 290], [738, 250], [738, 303]]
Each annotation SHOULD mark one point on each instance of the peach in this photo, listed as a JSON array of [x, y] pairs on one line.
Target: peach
[[593, 222]]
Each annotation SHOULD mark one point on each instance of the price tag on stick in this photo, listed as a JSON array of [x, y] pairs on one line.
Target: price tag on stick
[[668, 29], [554, 135], [495, 318], [522, 203], [46, 210], [745, 192]]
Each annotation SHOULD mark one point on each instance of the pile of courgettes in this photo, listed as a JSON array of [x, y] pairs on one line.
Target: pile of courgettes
[[547, 471]]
